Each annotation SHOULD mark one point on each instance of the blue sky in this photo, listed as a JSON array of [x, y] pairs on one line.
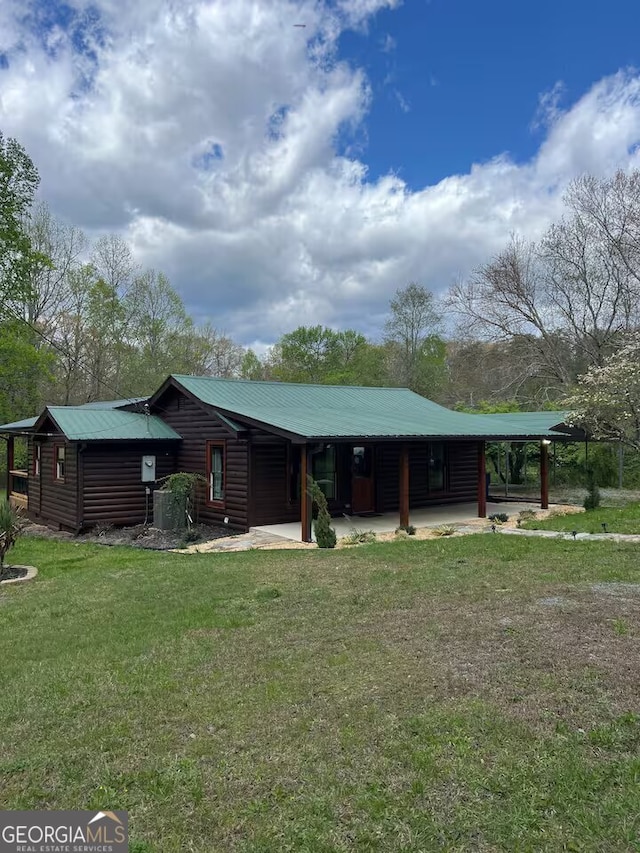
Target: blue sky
[[282, 175], [471, 74]]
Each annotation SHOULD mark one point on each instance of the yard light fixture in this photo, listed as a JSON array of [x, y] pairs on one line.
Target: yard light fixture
[[604, 526], [574, 533], [546, 442]]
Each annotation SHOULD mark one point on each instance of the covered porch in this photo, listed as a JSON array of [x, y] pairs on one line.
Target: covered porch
[[433, 516], [16, 485], [442, 501]]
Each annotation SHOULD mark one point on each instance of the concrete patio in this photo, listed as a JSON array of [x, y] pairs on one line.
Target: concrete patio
[[387, 522]]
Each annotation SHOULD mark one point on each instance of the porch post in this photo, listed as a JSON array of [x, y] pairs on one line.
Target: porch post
[[10, 456], [482, 481], [305, 498], [544, 474], [404, 486]]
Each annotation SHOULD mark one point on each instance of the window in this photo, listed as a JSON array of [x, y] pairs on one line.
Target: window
[[324, 470], [361, 462], [58, 455], [215, 471], [37, 458], [436, 466]]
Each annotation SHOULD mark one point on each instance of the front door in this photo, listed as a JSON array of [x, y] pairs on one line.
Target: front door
[[363, 497]]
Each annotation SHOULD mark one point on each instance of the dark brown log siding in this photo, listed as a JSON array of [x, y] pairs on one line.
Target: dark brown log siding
[[270, 481], [197, 424], [33, 483], [461, 475], [112, 487], [54, 501]]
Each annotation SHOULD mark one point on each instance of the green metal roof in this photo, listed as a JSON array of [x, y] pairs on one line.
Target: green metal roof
[[25, 425], [79, 423], [338, 411], [112, 404], [532, 421]]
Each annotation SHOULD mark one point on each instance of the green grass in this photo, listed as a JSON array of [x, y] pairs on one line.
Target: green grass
[[476, 693], [617, 519]]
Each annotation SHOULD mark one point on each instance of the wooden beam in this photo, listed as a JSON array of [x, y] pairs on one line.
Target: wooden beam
[[482, 481], [305, 498], [404, 486], [544, 475], [9, 464]]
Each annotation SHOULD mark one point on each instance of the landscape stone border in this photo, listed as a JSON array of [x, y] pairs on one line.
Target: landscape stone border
[[30, 575]]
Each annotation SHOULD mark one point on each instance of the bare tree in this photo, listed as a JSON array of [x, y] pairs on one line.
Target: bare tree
[[412, 336], [222, 356], [63, 246], [570, 297]]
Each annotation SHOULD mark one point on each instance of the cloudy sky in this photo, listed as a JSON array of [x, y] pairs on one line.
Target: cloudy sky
[[290, 163]]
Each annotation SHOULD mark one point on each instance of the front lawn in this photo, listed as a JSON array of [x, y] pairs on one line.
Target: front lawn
[[476, 693], [617, 520]]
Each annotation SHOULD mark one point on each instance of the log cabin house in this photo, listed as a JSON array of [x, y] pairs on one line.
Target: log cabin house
[[372, 450]]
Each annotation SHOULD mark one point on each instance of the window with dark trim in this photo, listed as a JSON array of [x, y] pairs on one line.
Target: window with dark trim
[[324, 470], [436, 466], [216, 473], [58, 461], [37, 458]]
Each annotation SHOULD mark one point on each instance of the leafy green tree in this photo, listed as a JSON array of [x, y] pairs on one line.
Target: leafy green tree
[[321, 355], [23, 368], [252, 367], [18, 183]]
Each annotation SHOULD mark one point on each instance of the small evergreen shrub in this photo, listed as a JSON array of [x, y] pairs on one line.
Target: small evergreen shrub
[[325, 534], [592, 500], [499, 517]]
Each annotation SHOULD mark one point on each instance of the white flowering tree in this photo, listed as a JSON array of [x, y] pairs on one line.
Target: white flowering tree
[[607, 401]]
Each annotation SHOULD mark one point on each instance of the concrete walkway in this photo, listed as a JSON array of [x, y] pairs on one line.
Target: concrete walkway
[[461, 516], [387, 522]]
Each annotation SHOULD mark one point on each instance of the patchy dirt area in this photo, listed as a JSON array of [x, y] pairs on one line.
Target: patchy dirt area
[[138, 536], [568, 657], [12, 573], [208, 538]]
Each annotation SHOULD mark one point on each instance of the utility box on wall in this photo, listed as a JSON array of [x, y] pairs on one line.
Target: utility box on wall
[[148, 469], [164, 510]]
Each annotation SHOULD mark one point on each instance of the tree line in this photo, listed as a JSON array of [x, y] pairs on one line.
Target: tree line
[[83, 322]]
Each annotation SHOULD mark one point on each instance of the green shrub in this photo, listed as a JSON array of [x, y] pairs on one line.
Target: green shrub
[[183, 488], [325, 534], [359, 537], [526, 514], [444, 530], [499, 517], [592, 500], [409, 529]]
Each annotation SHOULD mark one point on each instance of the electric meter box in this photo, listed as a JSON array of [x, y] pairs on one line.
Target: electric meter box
[[148, 469]]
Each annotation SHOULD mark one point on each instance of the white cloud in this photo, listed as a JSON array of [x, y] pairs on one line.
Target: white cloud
[[208, 133]]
